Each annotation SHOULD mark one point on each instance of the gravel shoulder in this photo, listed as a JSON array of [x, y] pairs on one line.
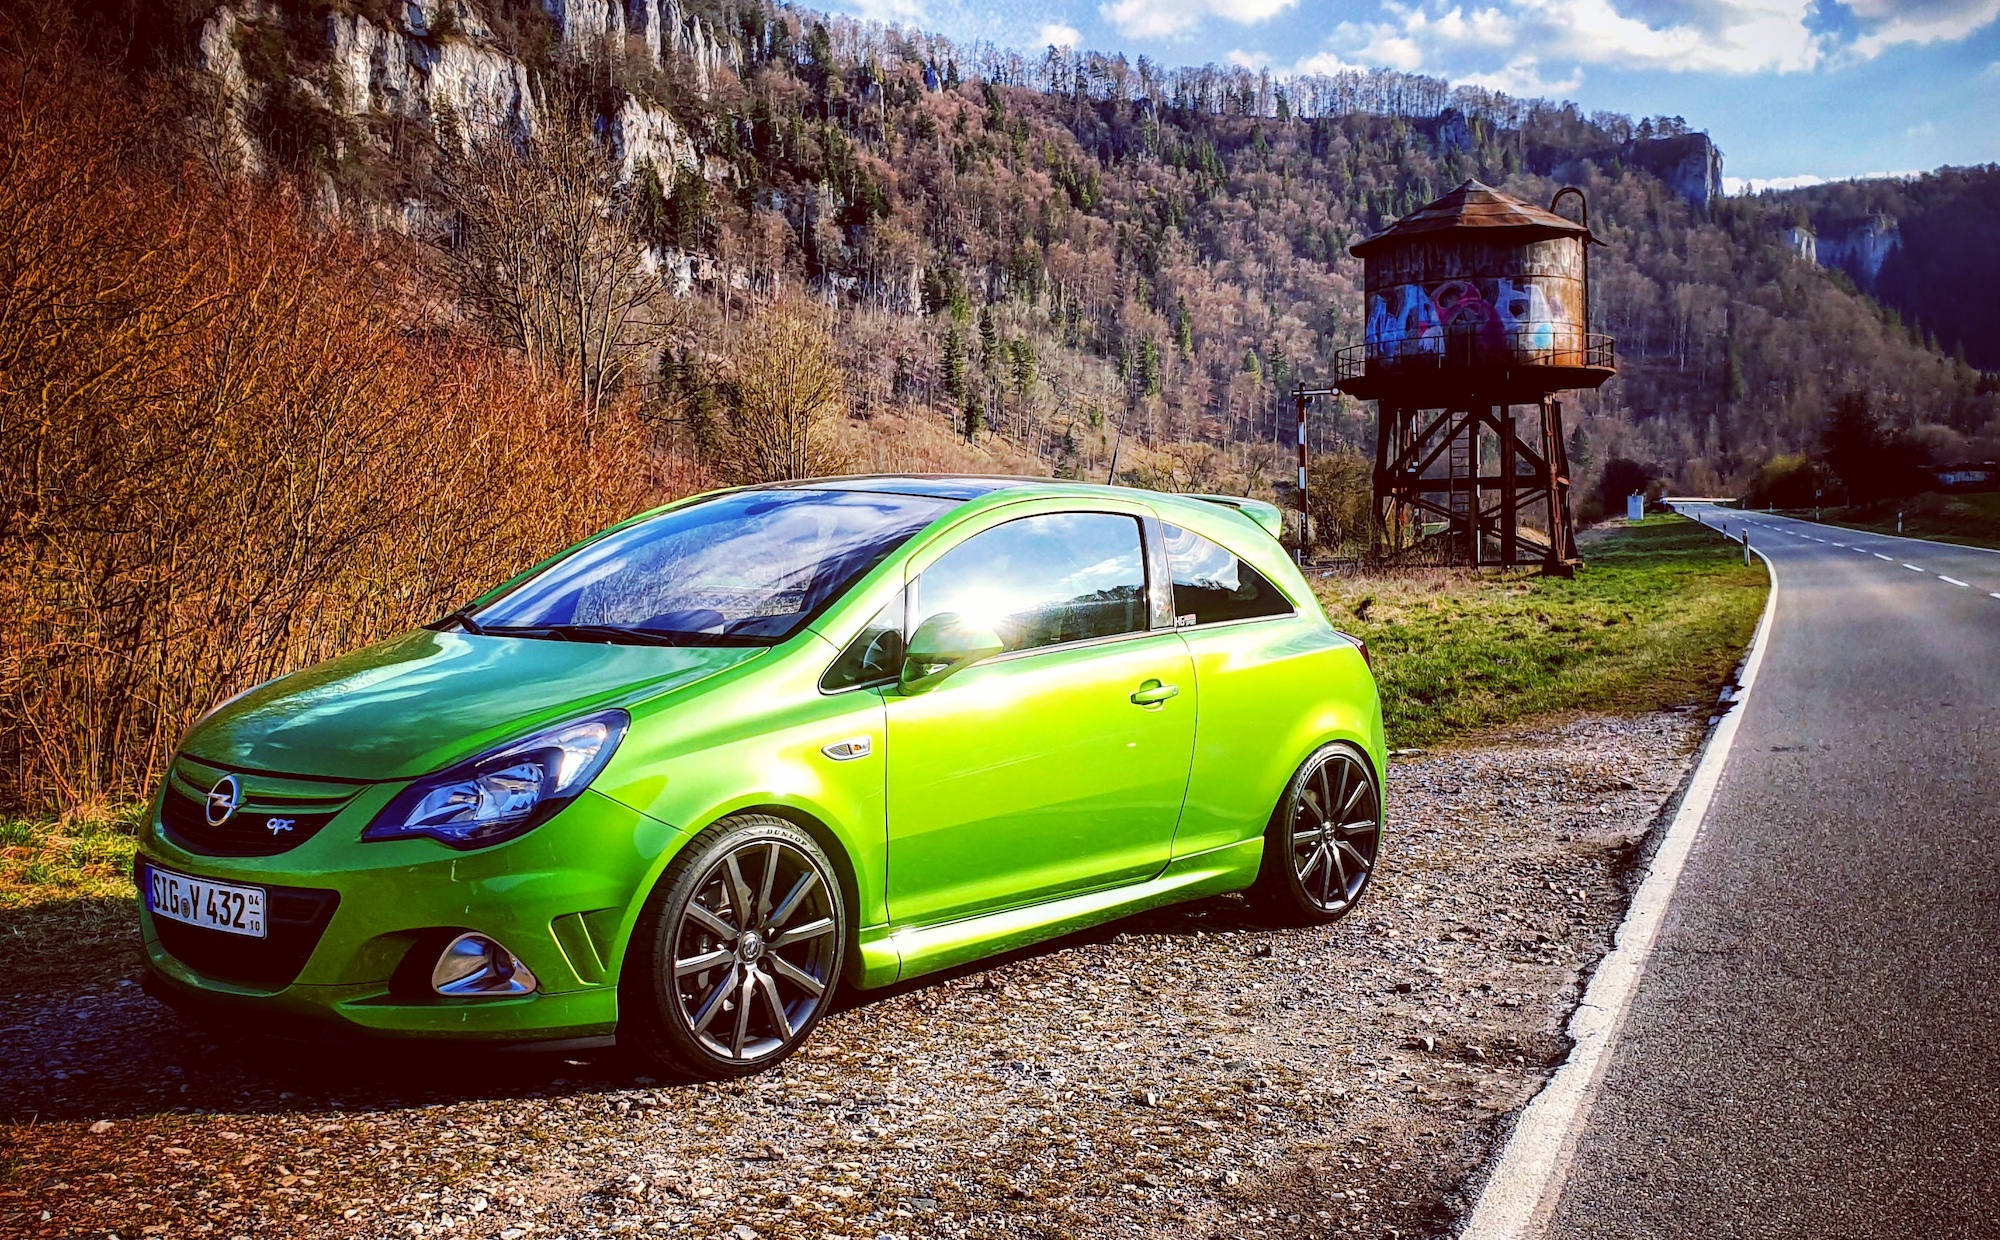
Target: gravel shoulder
[[1188, 1072]]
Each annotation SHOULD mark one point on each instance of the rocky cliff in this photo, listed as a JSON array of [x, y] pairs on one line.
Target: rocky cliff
[[1689, 163], [437, 63]]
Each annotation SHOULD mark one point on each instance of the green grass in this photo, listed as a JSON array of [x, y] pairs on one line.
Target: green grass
[[1657, 618], [66, 900], [1973, 520]]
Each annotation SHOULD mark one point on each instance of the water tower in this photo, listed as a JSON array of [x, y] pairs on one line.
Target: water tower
[[1478, 316]]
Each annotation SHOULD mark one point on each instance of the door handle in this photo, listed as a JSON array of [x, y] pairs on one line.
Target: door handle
[[1152, 693]]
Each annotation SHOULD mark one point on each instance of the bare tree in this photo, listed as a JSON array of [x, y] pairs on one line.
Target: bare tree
[[785, 396], [542, 252]]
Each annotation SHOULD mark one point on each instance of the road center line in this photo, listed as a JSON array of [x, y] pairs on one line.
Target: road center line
[[1890, 558], [1527, 1180], [1915, 568], [1955, 581]]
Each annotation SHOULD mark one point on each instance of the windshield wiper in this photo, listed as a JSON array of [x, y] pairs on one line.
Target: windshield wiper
[[607, 634], [462, 618]]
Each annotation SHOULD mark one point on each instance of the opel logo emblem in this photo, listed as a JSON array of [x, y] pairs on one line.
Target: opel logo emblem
[[223, 800]]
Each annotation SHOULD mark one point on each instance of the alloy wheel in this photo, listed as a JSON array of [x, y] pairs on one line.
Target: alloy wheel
[[1336, 828], [755, 950]]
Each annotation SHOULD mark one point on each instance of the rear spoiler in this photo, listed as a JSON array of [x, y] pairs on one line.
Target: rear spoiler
[[1264, 514]]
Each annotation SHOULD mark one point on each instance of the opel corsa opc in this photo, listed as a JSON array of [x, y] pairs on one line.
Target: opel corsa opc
[[683, 781]]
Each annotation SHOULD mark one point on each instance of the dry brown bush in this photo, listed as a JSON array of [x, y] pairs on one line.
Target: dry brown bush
[[784, 397], [226, 450]]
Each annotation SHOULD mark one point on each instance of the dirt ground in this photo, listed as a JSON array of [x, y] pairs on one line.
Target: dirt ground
[[1186, 1073]]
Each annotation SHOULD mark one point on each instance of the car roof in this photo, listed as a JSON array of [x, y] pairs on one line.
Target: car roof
[[969, 487], [934, 486]]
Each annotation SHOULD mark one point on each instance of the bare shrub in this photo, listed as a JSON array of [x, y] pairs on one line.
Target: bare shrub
[[541, 252], [226, 450], [785, 397]]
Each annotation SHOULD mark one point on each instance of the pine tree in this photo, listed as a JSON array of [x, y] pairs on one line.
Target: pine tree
[[951, 365], [1183, 327], [989, 337], [975, 414]]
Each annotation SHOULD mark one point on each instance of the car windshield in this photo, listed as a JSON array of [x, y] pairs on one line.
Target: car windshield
[[749, 568]]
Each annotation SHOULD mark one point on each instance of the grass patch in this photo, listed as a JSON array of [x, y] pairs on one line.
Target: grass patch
[[1971, 520], [67, 908], [1657, 618]]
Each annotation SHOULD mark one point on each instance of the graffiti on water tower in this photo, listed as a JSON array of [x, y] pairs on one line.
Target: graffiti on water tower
[[1502, 315]]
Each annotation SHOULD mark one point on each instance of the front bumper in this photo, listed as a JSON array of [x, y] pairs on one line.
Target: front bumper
[[352, 928]]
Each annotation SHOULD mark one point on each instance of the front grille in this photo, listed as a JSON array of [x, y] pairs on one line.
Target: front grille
[[277, 814], [294, 920]]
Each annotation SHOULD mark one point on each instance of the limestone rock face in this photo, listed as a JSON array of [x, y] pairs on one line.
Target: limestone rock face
[[1689, 163], [404, 71], [217, 53], [1861, 248], [649, 133], [662, 27]]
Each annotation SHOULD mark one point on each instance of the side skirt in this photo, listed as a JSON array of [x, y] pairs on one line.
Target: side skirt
[[894, 954]]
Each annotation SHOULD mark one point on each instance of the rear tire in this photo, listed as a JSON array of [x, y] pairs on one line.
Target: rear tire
[[737, 952], [1323, 841]]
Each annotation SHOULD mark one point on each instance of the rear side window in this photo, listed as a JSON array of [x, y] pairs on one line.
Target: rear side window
[[1044, 580], [1211, 584]]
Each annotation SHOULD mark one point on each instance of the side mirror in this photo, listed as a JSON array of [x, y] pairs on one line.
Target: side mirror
[[943, 644]]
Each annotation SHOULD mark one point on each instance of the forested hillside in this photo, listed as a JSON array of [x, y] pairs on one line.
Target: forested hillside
[[322, 314], [1928, 246], [1042, 246]]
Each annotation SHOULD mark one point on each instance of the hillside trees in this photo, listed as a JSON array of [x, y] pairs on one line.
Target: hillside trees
[[233, 442], [544, 247]]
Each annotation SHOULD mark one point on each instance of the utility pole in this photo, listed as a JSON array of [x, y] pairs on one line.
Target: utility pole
[[1301, 397]]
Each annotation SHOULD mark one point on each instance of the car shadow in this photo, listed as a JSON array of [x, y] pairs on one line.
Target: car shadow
[[89, 1044]]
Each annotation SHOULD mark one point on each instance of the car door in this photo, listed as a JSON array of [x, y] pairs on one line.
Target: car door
[[1058, 765]]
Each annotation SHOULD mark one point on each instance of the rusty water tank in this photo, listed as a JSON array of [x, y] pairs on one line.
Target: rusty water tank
[[1479, 294]]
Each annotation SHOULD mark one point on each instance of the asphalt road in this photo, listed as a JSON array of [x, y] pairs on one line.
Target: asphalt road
[[1814, 1047]]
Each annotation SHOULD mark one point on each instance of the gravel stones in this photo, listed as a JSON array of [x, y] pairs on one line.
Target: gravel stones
[[1185, 1073]]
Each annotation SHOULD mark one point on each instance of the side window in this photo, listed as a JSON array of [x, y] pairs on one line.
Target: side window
[[1044, 580], [1211, 584], [875, 656]]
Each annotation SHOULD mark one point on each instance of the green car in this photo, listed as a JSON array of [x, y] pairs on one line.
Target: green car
[[687, 779]]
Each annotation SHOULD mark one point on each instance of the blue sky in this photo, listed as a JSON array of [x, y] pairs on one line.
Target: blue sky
[[1789, 88]]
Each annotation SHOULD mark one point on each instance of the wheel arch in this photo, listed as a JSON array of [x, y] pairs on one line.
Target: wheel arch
[[811, 820]]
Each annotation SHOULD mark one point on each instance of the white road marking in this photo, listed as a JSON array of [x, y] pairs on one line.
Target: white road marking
[[1995, 594], [1527, 1180], [1915, 568], [1890, 558], [1954, 581], [1842, 546]]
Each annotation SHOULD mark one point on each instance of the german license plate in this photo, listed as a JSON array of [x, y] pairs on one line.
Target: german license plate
[[204, 902]]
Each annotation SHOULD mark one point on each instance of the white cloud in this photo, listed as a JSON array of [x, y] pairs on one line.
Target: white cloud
[[1159, 19], [1522, 76], [1992, 70], [1323, 62], [1925, 130], [1246, 59], [1887, 23], [1059, 34], [1540, 46], [1804, 180], [891, 11]]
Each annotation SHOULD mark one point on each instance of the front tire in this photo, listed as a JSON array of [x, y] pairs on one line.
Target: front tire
[[737, 952], [1323, 840]]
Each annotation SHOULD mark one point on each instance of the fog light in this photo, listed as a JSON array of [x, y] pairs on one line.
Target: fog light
[[473, 964]]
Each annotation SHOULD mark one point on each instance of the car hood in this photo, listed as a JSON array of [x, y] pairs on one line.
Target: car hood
[[426, 699]]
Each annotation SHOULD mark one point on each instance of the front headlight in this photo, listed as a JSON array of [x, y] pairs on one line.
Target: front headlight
[[505, 792]]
